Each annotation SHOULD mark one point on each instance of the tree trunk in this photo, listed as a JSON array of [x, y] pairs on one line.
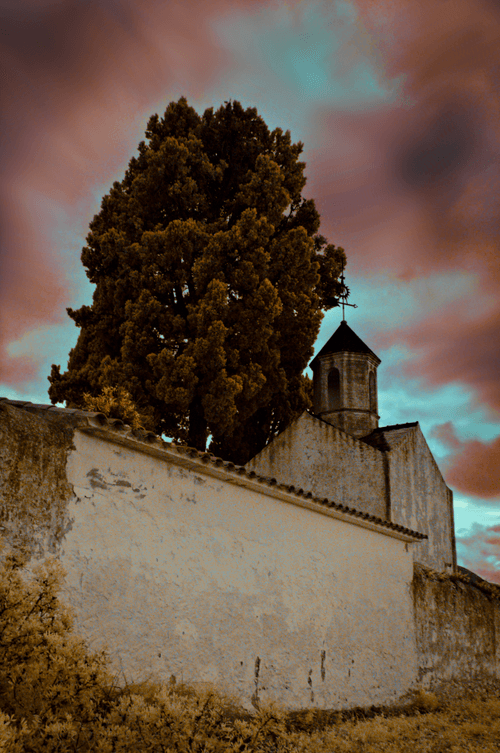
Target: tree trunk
[[198, 428]]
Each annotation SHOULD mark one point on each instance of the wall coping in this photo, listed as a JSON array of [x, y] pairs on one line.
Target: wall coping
[[115, 431]]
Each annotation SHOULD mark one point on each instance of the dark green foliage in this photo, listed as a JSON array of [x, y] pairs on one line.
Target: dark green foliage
[[211, 279]]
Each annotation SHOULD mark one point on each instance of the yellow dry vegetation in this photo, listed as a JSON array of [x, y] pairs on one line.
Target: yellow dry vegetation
[[461, 727]]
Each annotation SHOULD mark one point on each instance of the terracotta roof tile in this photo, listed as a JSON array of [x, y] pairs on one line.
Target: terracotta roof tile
[[87, 419]]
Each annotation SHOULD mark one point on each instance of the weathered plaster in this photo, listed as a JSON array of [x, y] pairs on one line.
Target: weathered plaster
[[399, 480], [458, 629], [314, 455], [421, 500], [34, 490], [179, 572], [178, 566]]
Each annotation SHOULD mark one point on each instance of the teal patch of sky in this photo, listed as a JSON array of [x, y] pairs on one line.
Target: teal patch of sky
[[287, 60], [469, 512], [477, 550], [44, 345], [51, 343], [386, 303]]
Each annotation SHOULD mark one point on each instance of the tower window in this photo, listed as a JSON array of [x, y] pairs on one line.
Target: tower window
[[333, 389], [373, 396]]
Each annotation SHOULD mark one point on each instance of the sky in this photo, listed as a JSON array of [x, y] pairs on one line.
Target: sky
[[398, 106]]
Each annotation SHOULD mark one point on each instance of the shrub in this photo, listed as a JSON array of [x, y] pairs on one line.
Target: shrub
[[47, 675], [423, 700], [116, 402]]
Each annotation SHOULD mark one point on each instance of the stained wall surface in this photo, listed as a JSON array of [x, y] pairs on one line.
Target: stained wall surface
[[458, 629], [420, 500], [34, 490], [177, 570], [186, 574], [398, 480], [314, 455]]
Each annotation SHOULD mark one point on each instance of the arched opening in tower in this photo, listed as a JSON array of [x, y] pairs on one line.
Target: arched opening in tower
[[333, 389]]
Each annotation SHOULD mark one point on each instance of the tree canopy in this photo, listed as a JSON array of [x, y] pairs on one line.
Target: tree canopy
[[211, 281]]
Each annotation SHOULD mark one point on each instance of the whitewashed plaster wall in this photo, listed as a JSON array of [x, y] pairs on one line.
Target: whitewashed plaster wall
[[178, 569]]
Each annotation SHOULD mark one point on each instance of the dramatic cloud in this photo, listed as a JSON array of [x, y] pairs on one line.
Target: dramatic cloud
[[410, 183], [458, 344], [473, 467], [405, 169], [74, 77], [407, 186], [410, 186], [479, 551]]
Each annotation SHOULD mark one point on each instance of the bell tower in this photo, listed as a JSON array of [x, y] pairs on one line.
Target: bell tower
[[345, 383]]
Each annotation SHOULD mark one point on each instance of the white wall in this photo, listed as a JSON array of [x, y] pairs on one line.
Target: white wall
[[179, 569]]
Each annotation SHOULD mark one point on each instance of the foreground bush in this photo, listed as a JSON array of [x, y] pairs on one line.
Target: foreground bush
[[56, 697], [46, 674]]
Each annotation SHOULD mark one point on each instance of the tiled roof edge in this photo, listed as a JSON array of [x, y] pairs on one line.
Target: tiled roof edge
[[378, 441], [409, 425], [88, 419]]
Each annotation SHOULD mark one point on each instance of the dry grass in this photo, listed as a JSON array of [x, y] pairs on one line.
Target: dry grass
[[423, 725], [460, 727]]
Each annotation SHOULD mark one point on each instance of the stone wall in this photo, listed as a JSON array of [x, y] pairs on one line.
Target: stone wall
[[420, 500], [314, 455], [34, 489], [457, 629], [357, 414], [180, 565]]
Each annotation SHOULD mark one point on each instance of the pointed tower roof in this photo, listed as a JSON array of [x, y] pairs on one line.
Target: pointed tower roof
[[344, 339]]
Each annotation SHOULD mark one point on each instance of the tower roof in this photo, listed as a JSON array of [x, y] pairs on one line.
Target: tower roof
[[344, 339]]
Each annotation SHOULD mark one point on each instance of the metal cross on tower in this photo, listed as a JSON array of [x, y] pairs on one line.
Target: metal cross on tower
[[345, 295]]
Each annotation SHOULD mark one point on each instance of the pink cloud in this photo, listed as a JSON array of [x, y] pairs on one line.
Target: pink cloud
[[473, 466], [74, 77], [455, 345], [479, 551], [409, 187], [409, 183]]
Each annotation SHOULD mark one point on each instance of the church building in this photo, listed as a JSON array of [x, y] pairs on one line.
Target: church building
[[295, 578], [340, 452]]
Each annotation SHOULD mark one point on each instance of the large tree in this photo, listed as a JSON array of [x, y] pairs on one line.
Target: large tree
[[211, 279]]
